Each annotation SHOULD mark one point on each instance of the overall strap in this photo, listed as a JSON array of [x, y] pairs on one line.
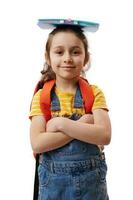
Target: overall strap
[[78, 101], [55, 103]]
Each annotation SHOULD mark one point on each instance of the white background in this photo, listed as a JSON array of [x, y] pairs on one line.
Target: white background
[[21, 59]]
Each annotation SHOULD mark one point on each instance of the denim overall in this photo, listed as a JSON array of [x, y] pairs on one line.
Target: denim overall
[[76, 171]]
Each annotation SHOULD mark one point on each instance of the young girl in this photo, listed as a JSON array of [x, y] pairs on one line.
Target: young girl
[[71, 163]]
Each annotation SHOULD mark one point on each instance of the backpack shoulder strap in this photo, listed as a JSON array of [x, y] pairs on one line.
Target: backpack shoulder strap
[[36, 179], [45, 99], [45, 102], [35, 91], [87, 94]]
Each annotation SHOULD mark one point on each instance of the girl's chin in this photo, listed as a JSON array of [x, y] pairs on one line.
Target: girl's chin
[[69, 76]]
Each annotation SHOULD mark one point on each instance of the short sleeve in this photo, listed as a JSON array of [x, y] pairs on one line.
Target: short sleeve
[[35, 105], [100, 101]]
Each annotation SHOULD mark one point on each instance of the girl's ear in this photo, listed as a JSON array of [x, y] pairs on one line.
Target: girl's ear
[[87, 58], [47, 59], [87, 63]]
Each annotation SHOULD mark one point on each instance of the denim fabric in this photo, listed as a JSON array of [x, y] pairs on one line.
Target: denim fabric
[[76, 171]]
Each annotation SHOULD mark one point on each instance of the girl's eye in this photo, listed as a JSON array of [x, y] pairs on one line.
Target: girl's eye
[[76, 52], [58, 52]]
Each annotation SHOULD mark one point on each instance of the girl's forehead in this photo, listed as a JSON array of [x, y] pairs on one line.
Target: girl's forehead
[[66, 38]]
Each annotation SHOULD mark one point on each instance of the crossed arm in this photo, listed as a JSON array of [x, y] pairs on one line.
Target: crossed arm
[[59, 131]]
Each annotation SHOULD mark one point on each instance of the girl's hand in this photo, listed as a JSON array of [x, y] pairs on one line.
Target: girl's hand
[[87, 118], [53, 125]]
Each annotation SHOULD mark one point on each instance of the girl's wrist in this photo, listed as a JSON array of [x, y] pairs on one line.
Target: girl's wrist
[[63, 124]]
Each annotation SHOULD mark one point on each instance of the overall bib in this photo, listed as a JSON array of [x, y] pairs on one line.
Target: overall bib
[[76, 171]]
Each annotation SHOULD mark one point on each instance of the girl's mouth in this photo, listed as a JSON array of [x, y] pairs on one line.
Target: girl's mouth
[[68, 66]]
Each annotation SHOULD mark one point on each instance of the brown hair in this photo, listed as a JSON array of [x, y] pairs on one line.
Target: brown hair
[[47, 72]]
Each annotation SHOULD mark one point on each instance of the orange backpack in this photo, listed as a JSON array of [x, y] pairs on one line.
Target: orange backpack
[[45, 100], [45, 104]]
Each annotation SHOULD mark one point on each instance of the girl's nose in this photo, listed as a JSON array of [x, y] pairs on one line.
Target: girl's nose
[[67, 58]]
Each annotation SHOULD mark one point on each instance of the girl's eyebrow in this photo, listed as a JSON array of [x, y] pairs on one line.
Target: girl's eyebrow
[[73, 47], [56, 47], [76, 47]]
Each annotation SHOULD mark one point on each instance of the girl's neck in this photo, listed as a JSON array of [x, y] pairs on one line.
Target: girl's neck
[[67, 85]]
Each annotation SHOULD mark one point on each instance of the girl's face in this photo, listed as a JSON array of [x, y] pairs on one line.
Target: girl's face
[[67, 55]]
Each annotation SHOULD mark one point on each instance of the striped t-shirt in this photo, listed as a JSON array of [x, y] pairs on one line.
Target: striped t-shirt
[[66, 103]]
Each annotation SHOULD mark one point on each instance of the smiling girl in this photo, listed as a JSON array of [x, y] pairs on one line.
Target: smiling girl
[[71, 163]]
